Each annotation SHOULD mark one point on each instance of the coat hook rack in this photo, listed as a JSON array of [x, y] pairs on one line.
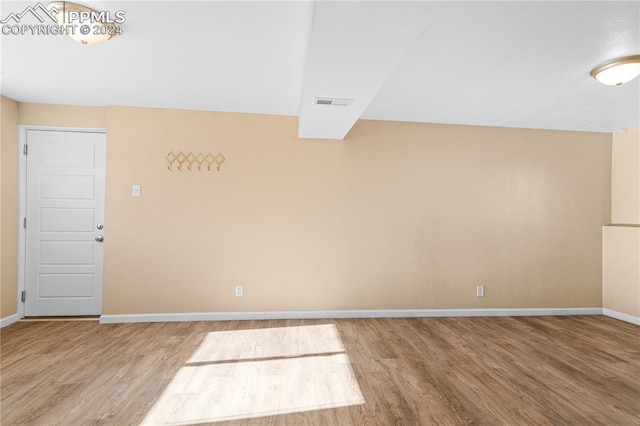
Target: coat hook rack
[[194, 160]]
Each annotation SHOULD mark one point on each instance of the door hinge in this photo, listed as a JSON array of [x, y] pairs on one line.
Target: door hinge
[[24, 223], [23, 296], [25, 149]]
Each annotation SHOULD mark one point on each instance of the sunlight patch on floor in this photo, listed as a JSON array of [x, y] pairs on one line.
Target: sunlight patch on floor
[[254, 373], [268, 343]]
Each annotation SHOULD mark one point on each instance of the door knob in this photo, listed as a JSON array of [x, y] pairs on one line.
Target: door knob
[[99, 238]]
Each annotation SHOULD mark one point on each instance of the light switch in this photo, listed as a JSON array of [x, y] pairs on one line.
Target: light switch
[[135, 191]]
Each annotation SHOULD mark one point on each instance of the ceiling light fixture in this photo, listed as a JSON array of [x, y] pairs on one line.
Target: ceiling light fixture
[[617, 71], [81, 23]]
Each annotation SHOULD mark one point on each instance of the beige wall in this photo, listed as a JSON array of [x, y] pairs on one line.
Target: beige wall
[[61, 115], [621, 245], [625, 177], [397, 216], [9, 207], [621, 269]]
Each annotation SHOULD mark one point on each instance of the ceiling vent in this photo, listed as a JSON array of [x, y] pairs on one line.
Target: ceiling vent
[[333, 101]]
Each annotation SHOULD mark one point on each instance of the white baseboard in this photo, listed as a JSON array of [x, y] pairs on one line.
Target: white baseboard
[[620, 316], [273, 315], [9, 320]]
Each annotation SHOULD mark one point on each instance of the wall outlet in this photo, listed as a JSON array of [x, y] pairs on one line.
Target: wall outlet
[[480, 291], [135, 190], [239, 291]]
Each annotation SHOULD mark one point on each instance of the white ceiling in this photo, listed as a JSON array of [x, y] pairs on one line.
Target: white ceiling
[[512, 64]]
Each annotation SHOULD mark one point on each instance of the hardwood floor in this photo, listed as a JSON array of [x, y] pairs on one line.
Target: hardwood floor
[[445, 371]]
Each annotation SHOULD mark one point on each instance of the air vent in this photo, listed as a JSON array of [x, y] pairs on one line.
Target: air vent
[[333, 101]]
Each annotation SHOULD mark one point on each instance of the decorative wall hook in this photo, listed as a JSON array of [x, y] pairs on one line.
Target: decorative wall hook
[[191, 160]]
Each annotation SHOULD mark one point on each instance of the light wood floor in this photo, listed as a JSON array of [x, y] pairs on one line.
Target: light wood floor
[[511, 371]]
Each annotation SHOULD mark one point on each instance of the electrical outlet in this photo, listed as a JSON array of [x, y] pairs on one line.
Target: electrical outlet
[[480, 291], [239, 291]]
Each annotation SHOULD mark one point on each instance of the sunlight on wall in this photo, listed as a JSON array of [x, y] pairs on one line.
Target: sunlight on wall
[[254, 373]]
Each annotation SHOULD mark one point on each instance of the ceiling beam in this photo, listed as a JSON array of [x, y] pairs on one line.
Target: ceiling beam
[[354, 47]]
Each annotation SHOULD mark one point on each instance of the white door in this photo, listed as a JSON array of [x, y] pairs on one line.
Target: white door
[[65, 214]]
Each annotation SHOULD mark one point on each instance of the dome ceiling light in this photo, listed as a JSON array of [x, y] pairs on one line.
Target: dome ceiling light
[[618, 71], [83, 24]]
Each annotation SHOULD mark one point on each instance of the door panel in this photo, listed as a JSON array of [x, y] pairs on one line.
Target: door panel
[[66, 220], [56, 187], [67, 253], [65, 204], [65, 285], [70, 155]]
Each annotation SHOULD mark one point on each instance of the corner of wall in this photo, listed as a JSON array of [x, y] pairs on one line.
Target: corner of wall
[[625, 177], [621, 240], [9, 203]]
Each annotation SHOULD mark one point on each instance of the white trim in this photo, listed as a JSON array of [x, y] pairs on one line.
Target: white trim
[[9, 320], [22, 212], [272, 315], [59, 319], [64, 129], [22, 197], [620, 316]]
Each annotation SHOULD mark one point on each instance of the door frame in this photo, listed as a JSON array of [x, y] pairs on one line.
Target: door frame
[[22, 199]]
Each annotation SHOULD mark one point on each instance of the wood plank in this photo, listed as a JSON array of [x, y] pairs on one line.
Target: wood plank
[[500, 370]]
